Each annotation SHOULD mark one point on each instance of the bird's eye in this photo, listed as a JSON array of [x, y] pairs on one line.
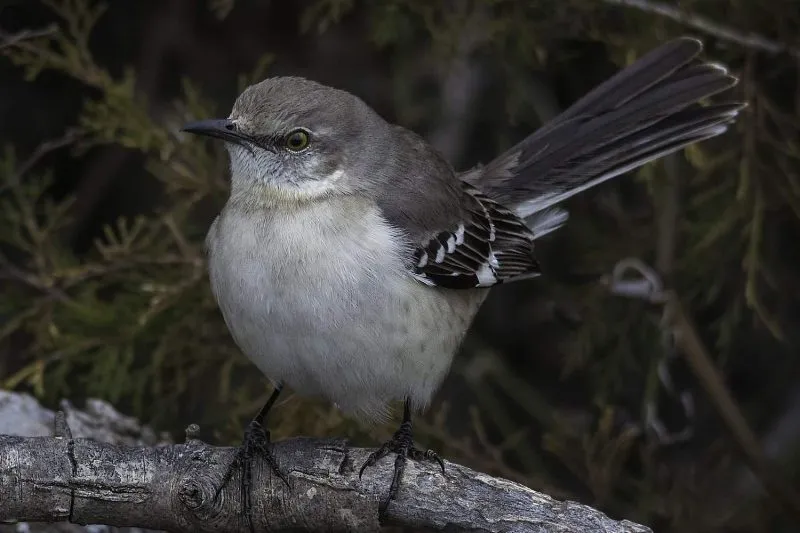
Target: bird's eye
[[297, 140]]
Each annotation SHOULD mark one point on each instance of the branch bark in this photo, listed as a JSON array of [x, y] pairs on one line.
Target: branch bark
[[172, 487]]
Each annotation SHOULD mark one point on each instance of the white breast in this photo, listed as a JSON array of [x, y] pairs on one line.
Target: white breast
[[323, 303]]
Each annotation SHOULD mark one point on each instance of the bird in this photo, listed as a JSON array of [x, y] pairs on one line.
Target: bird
[[351, 258]]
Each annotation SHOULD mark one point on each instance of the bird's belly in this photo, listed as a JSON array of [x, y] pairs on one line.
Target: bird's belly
[[352, 346], [326, 322]]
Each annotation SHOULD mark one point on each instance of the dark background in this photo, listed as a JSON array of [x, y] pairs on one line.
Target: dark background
[[104, 292]]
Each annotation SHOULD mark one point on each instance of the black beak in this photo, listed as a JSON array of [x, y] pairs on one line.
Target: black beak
[[222, 128]]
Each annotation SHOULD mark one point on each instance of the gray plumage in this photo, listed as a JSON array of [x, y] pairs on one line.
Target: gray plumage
[[352, 267]]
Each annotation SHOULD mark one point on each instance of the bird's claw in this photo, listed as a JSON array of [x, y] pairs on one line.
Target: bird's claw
[[256, 443], [401, 444]]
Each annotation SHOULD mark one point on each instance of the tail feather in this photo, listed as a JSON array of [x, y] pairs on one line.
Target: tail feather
[[544, 221], [649, 70], [650, 143], [648, 110], [670, 134]]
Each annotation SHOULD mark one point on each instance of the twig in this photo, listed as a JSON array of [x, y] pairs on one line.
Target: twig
[[711, 27], [8, 271], [166, 28], [703, 368], [7, 39], [699, 360], [42, 150]]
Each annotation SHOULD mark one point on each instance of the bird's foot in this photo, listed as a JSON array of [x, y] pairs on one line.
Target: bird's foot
[[256, 443], [401, 443]]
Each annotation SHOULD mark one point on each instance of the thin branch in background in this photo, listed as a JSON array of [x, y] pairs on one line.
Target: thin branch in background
[[8, 270], [42, 150], [711, 27], [166, 28], [11, 39], [705, 371], [649, 288]]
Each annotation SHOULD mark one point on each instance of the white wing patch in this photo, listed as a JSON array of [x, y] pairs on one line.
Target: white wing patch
[[492, 245]]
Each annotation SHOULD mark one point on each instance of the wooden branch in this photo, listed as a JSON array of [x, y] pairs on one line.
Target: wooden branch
[[172, 487]]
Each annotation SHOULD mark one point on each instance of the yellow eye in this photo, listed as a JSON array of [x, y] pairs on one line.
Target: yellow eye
[[297, 140]]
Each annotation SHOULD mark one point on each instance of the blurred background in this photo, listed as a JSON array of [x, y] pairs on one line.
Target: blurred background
[[673, 402]]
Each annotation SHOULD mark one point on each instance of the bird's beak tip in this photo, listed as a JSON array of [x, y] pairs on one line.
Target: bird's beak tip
[[221, 128]]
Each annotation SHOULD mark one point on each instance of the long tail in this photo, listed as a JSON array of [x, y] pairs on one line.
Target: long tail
[[648, 110]]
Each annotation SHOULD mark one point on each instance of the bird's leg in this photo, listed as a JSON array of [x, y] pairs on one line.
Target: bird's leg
[[401, 443], [256, 442]]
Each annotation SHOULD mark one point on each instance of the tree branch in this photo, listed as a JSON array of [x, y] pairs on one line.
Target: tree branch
[[7, 39], [709, 26], [649, 287], [172, 487]]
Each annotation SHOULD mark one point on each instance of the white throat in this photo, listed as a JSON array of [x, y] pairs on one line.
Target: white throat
[[256, 178]]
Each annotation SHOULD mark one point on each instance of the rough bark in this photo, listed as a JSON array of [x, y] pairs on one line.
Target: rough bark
[[172, 487]]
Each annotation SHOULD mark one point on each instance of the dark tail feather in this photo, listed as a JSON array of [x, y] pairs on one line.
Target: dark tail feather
[[647, 71], [650, 143], [648, 110]]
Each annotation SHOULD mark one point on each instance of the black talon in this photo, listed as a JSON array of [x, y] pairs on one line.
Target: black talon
[[256, 442], [401, 443]]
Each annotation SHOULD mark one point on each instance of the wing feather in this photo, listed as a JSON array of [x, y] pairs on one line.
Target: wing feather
[[490, 246]]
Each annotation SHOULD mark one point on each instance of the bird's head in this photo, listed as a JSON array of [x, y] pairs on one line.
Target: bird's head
[[298, 140]]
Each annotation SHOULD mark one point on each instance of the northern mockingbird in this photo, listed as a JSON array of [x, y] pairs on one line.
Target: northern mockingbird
[[350, 258]]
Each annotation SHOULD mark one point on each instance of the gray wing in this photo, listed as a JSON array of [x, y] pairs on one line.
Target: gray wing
[[460, 237], [647, 110], [467, 229]]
